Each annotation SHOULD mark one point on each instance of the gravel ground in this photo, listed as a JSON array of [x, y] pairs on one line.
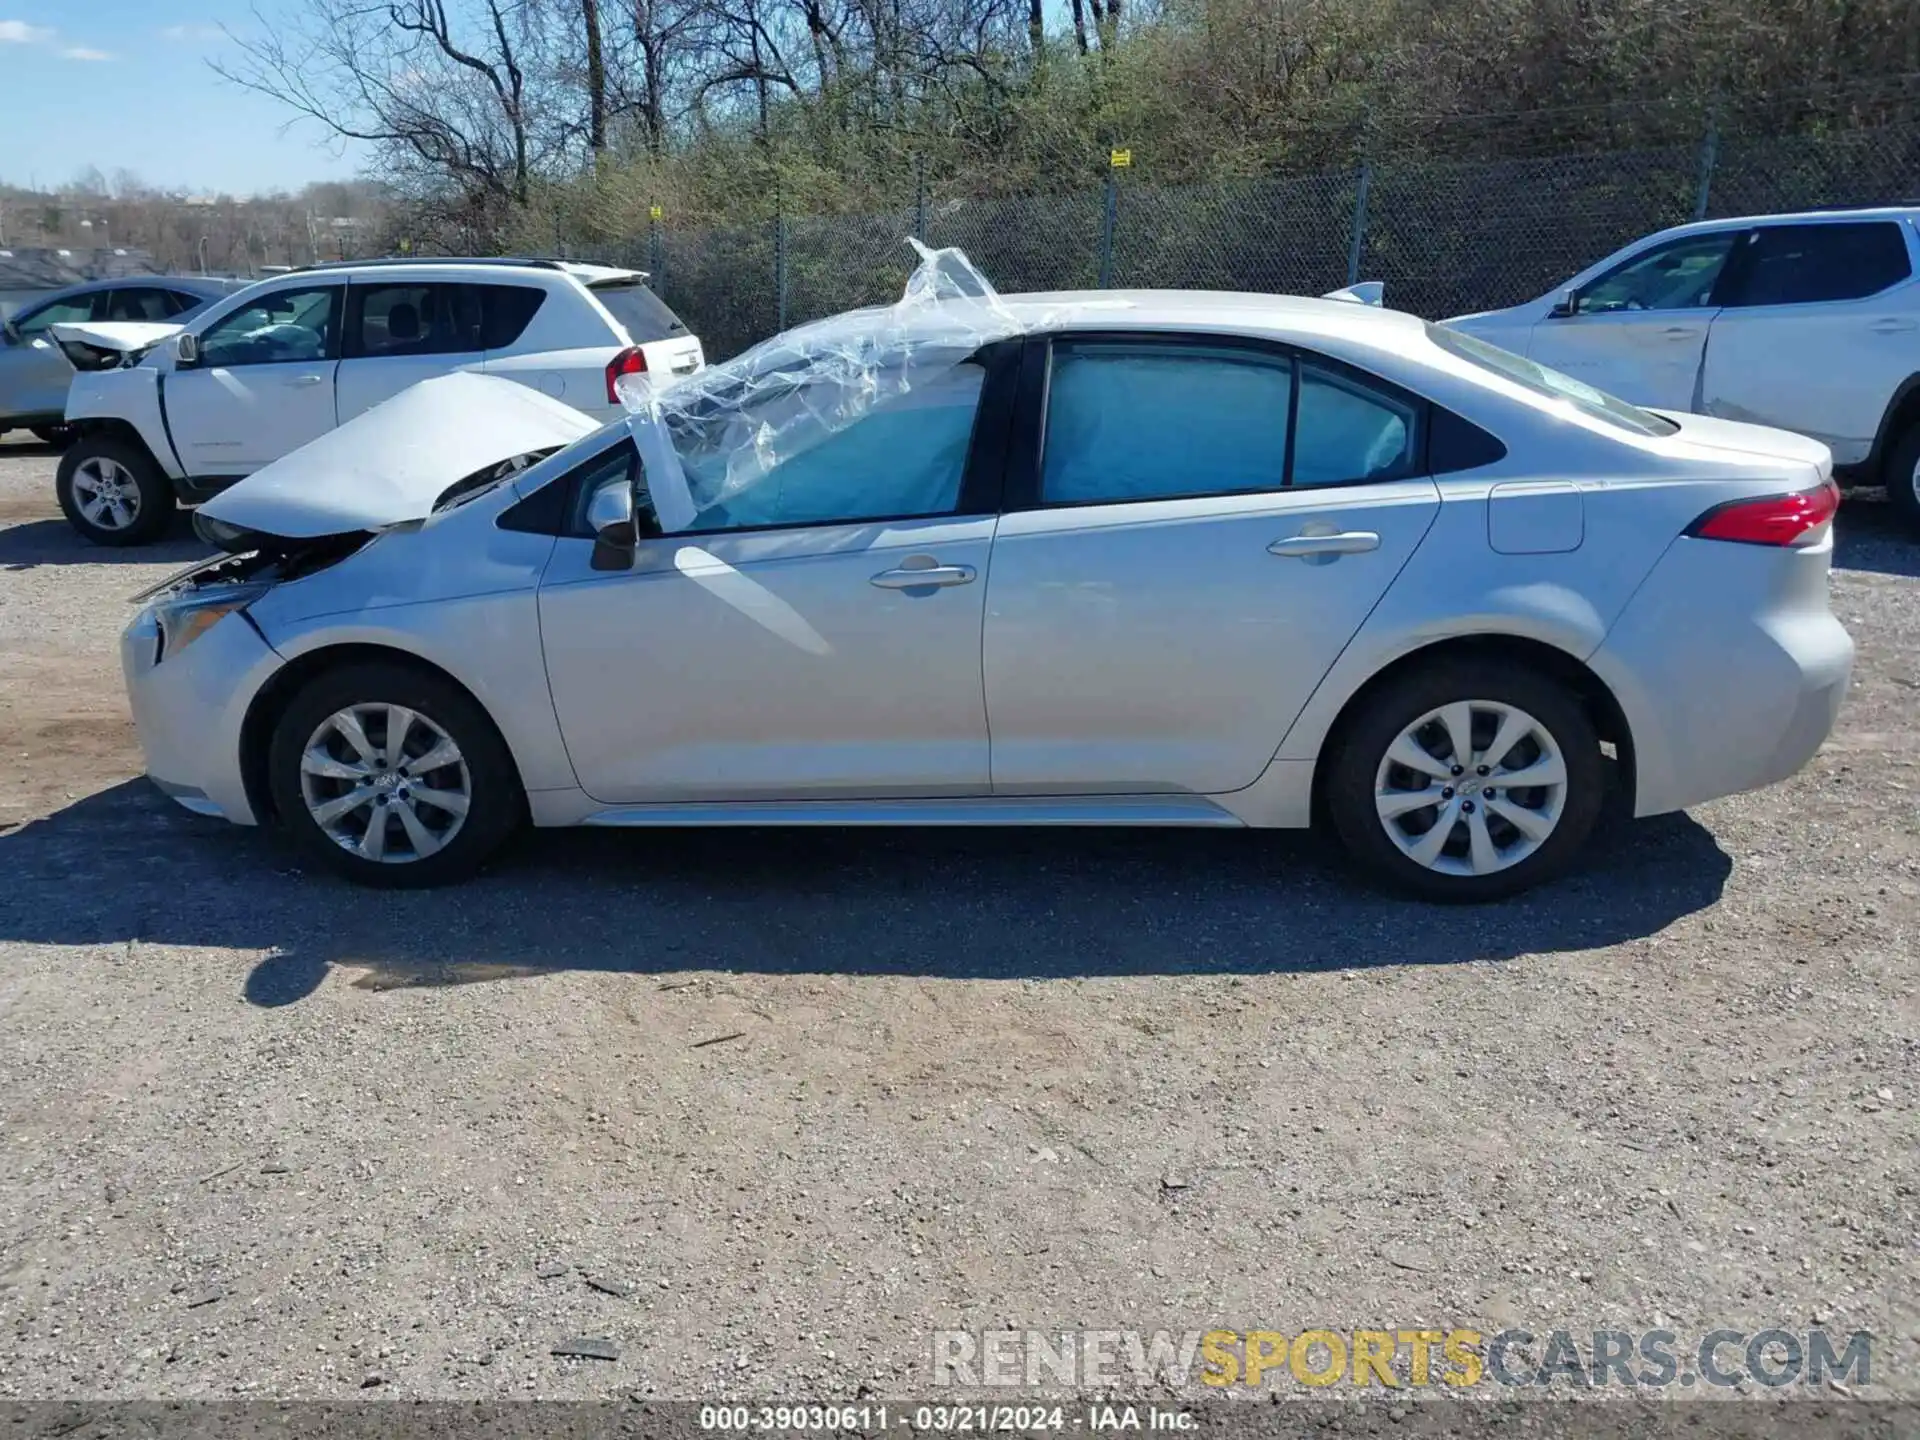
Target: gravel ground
[[798, 1100]]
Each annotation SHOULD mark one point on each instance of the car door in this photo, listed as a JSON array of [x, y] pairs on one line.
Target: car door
[[262, 384], [1639, 330], [34, 373], [815, 636], [399, 334], [1201, 526], [1820, 328]]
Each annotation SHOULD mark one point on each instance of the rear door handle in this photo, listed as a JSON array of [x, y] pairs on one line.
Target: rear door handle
[[1891, 326], [306, 380], [911, 577], [1681, 332], [1346, 542]]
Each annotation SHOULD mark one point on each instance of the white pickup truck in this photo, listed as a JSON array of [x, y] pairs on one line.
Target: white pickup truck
[[1809, 322], [168, 414]]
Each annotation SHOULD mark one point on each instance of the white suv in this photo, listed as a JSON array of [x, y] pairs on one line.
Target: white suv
[[1808, 322], [169, 413]]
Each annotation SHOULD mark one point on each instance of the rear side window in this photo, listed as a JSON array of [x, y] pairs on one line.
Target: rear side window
[[179, 302], [641, 313], [1806, 264], [138, 303], [505, 313]]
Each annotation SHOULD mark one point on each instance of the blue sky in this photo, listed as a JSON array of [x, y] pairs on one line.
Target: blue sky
[[169, 119]]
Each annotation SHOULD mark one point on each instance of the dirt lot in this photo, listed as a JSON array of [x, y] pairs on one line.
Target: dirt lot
[[268, 1134]]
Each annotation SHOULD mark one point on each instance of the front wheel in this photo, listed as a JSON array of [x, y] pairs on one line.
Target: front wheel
[[392, 776], [1467, 780], [112, 492], [1903, 478]]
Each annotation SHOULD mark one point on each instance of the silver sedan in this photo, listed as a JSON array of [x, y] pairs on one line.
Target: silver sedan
[[1104, 559]]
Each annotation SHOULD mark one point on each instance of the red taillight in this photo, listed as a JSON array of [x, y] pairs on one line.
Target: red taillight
[[631, 361], [1771, 519]]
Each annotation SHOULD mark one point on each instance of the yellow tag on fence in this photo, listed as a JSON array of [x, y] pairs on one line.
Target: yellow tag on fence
[[656, 212], [1120, 159]]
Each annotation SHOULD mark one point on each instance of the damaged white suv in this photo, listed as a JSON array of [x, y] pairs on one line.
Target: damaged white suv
[[170, 413], [1120, 558]]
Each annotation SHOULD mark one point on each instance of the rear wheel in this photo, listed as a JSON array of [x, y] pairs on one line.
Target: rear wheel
[[392, 776], [112, 492], [1467, 780], [1903, 478]]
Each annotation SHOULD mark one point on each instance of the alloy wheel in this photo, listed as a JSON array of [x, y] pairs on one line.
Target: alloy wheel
[[385, 782], [1471, 788], [106, 493]]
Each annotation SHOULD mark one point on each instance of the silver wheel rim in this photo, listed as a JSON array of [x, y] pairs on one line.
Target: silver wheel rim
[[1471, 788], [106, 493], [1913, 480], [385, 783]]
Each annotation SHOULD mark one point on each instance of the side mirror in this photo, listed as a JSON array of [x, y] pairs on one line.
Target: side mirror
[[186, 349], [1565, 304], [619, 522]]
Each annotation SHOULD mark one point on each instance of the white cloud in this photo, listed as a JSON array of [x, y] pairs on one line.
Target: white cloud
[[83, 52], [192, 32], [18, 32]]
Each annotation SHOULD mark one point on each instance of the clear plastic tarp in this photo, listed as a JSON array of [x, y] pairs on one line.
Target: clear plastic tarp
[[711, 440]]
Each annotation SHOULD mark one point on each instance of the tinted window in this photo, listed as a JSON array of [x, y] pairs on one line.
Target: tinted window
[[415, 320], [906, 457], [1349, 431], [1549, 384], [1803, 264], [1130, 421], [138, 304], [506, 311], [179, 302], [61, 312], [641, 313], [1675, 276], [284, 325]]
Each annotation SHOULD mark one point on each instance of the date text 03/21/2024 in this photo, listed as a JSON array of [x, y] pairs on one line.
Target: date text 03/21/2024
[[944, 1419]]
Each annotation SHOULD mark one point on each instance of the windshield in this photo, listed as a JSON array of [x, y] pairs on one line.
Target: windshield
[[1550, 384], [641, 313]]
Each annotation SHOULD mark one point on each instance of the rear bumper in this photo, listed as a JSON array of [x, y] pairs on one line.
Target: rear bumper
[[189, 708], [1722, 694]]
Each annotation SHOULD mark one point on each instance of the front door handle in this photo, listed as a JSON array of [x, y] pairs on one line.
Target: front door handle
[[1891, 326], [1681, 332], [928, 574], [306, 380], [1346, 542]]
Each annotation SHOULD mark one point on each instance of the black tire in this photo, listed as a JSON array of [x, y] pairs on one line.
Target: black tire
[[1903, 478], [1350, 798], [495, 801], [152, 491], [58, 436]]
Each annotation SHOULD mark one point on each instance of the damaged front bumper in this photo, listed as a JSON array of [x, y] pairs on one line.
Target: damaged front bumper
[[189, 709]]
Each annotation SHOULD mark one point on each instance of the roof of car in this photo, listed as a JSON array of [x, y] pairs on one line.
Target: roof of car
[[1796, 217], [587, 273]]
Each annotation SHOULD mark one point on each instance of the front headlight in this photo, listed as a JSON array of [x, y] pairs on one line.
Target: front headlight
[[184, 618]]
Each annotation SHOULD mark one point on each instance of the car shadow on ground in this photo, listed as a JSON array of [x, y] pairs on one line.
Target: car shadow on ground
[[1868, 534], [55, 542], [124, 867]]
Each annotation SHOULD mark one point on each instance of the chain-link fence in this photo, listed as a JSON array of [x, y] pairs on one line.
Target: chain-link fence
[[1446, 236]]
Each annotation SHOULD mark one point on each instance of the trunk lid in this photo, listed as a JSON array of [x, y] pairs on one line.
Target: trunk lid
[[1738, 437], [392, 463]]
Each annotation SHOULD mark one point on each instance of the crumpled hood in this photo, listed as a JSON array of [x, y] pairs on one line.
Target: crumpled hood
[[124, 336], [390, 464]]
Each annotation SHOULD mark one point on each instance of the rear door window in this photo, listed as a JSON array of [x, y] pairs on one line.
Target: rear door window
[[414, 320], [142, 302], [1808, 264], [641, 313]]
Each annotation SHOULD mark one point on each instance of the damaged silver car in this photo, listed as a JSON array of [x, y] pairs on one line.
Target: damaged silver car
[[1115, 558]]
